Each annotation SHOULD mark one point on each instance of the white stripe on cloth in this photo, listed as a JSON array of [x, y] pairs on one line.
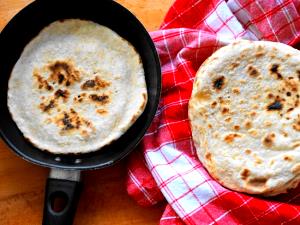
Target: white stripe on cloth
[[244, 17], [184, 187]]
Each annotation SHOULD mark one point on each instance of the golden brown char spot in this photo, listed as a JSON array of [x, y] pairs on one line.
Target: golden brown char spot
[[219, 83], [252, 113], [291, 85], [236, 127], [268, 140], [245, 174], [260, 51], [234, 65], [252, 71], [274, 70], [285, 134], [62, 94], [228, 119], [202, 95], [67, 123], [258, 181], [70, 121], [46, 107], [225, 110], [214, 104], [101, 111], [41, 82], [248, 151], [63, 72], [80, 97], [296, 125], [101, 99], [208, 156], [248, 124], [95, 84], [270, 95], [230, 137], [236, 90], [223, 101], [209, 126], [253, 132], [288, 158], [84, 133]]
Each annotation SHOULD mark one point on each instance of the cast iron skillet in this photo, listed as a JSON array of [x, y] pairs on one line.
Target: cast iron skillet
[[64, 177]]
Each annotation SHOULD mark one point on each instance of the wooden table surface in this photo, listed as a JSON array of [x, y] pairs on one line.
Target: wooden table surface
[[104, 199]]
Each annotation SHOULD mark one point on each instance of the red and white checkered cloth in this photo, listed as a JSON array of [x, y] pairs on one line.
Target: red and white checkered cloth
[[165, 165]]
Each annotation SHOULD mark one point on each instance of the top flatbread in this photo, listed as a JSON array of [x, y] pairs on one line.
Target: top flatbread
[[76, 87], [245, 116]]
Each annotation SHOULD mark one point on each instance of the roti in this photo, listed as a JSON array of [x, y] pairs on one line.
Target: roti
[[76, 87], [245, 116]]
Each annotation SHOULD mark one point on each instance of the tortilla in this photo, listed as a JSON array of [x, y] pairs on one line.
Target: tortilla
[[245, 116], [76, 87]]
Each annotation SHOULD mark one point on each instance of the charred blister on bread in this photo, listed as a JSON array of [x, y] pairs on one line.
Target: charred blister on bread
[[296, 124], [101, 112], [219, 83], [276, 105], [63, 72], [95, 84], [288, 158], [252, 71], [269, 140], [236, 90], [258, 182], [100, 99], [274, 70], [70, 121], [245, 173], [234, 65], [231, 137], [64, 94], [48, 105], [42, 83], [259, 51]]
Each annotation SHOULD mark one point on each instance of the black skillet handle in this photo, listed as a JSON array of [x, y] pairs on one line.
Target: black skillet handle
[[61, 199]]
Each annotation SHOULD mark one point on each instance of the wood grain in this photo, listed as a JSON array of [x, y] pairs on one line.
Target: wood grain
[[104, 199]]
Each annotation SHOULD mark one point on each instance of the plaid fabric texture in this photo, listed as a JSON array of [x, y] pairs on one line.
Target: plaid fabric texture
[[166, 166]]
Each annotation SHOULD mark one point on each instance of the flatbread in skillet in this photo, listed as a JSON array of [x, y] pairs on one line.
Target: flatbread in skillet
[[76, 87], [245, 116]]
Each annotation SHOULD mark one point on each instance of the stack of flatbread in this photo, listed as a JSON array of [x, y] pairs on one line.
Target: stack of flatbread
[[245, 116]]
